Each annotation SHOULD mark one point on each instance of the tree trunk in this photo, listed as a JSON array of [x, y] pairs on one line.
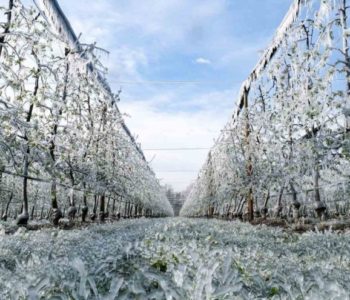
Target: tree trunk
[[249, 164], [296, 203], [85, 208], [94, 209], [42, 212], [343, 21], [279, 207], [57, 214], [24, 216], [129, 209], [113, 206], [2, 169], [316, 184], [72, 210], [32, 212], [102, 208], [5, 214], [125, 209], [240, 207], [54, 204], [265, 210], [107, 207], [320, 207]]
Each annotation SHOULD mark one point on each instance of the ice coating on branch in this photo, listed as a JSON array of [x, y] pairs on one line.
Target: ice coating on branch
[[55, 16], [290, 121], [268, 54]]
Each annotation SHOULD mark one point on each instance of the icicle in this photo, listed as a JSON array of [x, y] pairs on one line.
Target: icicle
[[324, 11], [287, 22]]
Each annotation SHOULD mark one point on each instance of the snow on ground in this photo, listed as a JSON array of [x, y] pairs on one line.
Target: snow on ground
[[174, 258]]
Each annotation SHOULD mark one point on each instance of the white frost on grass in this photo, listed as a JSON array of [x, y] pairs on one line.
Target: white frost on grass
[[174, 259]]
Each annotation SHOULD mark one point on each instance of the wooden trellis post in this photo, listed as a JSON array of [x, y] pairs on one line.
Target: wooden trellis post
[[345, 42], [249, 164]]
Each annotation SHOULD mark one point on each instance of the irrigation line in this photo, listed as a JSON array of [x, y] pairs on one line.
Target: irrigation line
[[143, 82]]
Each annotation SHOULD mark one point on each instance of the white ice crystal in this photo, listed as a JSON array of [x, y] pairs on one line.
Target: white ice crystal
[[241, 262]]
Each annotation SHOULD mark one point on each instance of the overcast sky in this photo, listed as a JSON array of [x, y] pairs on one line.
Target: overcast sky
[[180, 64]]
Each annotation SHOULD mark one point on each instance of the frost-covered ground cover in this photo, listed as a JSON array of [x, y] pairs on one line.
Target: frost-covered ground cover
[[174, 259]]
